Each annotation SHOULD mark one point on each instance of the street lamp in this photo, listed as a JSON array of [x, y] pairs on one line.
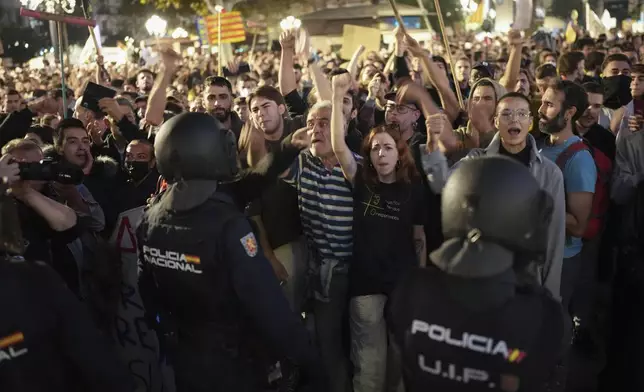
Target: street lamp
[[179, 33], [156, 26], [290, 23]]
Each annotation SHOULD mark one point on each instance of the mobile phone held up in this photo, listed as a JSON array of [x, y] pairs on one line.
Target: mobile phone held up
[[94, 93]]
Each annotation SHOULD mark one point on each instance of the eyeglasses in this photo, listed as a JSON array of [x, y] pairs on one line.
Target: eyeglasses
[[400, 109], [520, 115]]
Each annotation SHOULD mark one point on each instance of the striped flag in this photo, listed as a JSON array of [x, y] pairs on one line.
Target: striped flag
[[232, 28]]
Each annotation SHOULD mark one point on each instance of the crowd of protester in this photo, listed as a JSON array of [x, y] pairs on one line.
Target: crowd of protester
[[361, 204]]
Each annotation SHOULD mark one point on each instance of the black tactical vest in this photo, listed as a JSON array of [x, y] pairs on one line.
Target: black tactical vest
[[215, 344], [448, 347]]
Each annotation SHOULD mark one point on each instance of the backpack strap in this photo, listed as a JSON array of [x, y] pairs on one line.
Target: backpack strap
[[569, 152]]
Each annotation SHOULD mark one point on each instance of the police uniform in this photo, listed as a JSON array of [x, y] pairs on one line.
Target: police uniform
[[203, 273], [47, 339], [472, 324]]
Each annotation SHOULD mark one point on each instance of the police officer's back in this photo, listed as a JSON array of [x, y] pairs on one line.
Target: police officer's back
[[469, 325], [203, 271], [48, 341]]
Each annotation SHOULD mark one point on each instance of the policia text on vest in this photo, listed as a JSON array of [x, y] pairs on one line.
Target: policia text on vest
[[468, 341], [172, 260]]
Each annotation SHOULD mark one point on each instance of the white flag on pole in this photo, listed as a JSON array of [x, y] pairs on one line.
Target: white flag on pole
[[523, 15]]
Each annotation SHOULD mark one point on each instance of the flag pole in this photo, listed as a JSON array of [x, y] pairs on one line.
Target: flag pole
[[449, 53], [219, 51], [61, 57]]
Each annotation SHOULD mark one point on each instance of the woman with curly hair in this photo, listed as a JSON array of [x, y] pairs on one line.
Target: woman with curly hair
[[388, 235]]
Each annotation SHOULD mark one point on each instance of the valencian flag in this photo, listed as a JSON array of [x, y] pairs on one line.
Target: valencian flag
[[232, 28]]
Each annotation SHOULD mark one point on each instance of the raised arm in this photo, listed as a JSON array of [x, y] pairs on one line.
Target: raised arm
[[341, 85], [287, 80], [321, 82], [511, 75], [157, 99], [353, 64], [438, 78]]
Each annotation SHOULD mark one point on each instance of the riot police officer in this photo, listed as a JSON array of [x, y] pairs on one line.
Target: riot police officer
[[48, 341], [472, 323], [203, 272]]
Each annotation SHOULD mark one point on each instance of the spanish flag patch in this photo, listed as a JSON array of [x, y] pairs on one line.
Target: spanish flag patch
[[192, 259], [10, 340]]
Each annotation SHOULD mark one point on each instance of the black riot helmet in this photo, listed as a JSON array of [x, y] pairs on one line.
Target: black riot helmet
[[195, 146], [497, 200]]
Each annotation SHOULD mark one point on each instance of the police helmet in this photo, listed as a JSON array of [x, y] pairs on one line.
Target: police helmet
[[497, 200], [195, 146]]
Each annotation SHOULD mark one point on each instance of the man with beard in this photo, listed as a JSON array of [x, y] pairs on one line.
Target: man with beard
[[523, 85], [570, 66], [588, 124], [405, 114], [218, 97], [562, 105], [592, 294], [144, 81]]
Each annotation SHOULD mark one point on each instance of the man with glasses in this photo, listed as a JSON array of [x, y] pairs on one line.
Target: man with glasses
[[513, 139], [404, 114]]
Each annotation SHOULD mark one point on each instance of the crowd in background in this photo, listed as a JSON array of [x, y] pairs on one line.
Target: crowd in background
[[360, 205]]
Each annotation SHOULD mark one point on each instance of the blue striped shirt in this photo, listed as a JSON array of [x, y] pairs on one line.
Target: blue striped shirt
[[325, 201]]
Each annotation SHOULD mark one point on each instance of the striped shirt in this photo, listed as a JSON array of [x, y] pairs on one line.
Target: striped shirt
[[325, 201]]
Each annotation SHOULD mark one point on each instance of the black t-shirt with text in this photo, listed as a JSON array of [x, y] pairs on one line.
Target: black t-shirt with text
[[384, 218]]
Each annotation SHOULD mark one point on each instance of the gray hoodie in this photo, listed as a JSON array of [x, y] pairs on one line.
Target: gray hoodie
[[550, 179], [629, 167]]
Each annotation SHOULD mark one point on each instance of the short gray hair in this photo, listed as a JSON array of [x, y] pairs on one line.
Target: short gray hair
[[321, 105]]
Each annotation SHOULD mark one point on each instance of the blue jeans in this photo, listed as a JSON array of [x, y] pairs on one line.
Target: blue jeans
[[368, 342], [329, 318], [294, 257]]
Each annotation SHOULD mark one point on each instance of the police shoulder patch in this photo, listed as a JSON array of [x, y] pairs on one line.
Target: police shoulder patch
[[250, 244]]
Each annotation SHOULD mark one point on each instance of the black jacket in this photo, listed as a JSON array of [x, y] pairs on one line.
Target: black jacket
[[47, 339]]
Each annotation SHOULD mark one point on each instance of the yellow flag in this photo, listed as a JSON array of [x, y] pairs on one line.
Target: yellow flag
[[571, 34], [477, 16]]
